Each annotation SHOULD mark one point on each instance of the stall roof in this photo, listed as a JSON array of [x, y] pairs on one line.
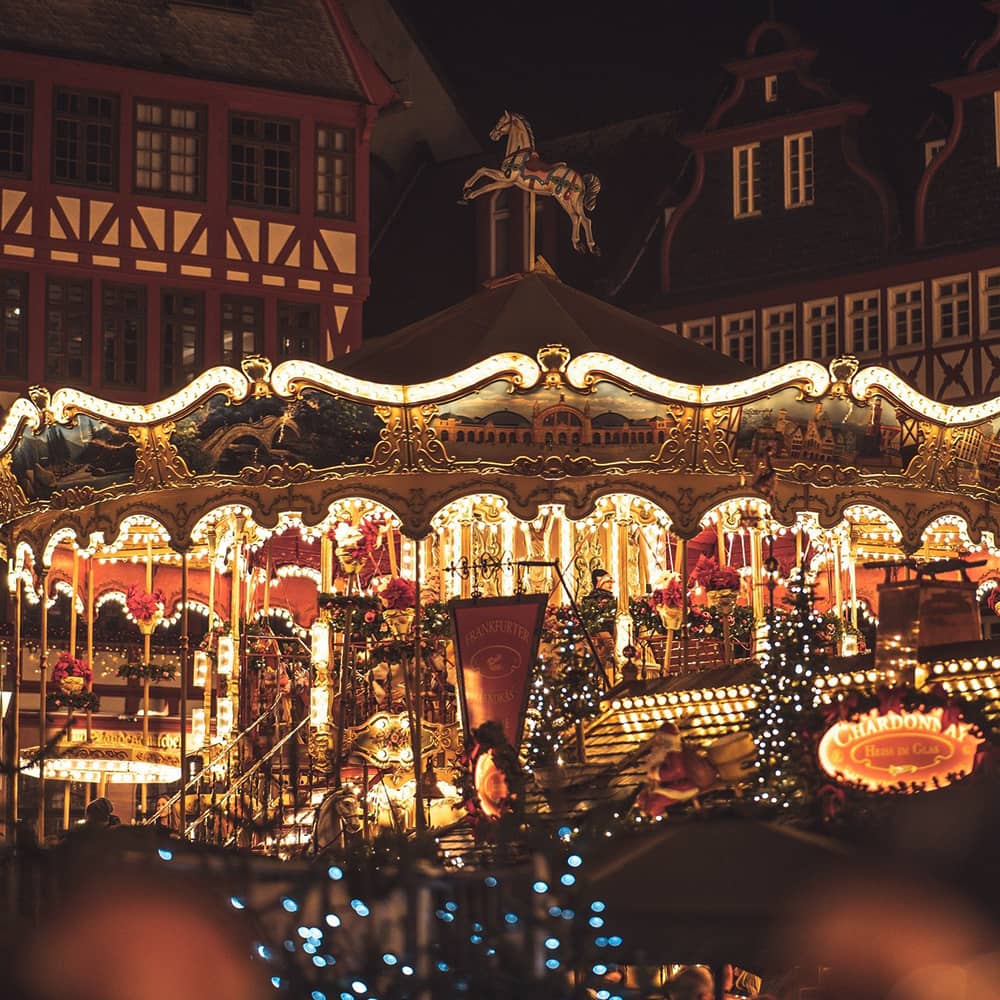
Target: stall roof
[[523, 314]]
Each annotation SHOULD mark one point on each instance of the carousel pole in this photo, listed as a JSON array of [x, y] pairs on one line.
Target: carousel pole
[[14, 741], [185, 663], [417, 694], [147, 638], [90, 636], [73, 621], [682, 561], [211, 681], [43, 715]]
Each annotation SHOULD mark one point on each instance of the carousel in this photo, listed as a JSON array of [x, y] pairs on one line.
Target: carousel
[[230, 607]]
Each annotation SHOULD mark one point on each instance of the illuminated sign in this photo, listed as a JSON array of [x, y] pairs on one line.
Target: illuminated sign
[[880, 751]]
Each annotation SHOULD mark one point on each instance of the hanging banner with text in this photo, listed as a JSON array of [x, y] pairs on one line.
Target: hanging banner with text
[[496, 644]]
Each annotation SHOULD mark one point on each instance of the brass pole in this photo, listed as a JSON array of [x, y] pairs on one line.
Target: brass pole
[[15, 714], [211, 680], [43, 715], [90, 636], [147, 638], [185, 672], [416, 690], [72, 602]]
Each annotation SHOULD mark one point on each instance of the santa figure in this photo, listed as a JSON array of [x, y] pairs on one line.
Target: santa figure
[[676, 773]]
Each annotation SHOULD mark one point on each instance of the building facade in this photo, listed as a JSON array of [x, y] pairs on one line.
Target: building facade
[[181, 185]]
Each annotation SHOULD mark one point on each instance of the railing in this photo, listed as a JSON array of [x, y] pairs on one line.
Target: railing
[[261, 800], [163, 814]]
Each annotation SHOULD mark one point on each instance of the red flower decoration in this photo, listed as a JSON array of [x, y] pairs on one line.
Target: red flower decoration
[[70, 666], [398, 593], [670, 596], [144, 607], [710, 575]]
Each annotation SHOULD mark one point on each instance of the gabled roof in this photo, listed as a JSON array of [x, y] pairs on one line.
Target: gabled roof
[[306, 46], [526, 313]]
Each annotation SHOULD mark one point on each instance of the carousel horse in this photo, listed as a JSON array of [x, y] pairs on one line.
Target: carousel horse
[[338, 821], [521, 167]]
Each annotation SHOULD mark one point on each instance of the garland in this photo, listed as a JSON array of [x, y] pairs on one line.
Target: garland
[[489, 738], [81, 701], [147, 671]]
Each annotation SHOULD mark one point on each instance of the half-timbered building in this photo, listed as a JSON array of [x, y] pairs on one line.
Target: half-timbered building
[[181, 184]]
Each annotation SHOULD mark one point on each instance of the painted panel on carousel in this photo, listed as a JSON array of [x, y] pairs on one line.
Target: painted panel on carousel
[[876, 436], [493, 426], [318, 429], [88, 453], [974, 454]]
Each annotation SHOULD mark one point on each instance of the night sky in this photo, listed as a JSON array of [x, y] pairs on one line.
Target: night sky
[[574, 65]]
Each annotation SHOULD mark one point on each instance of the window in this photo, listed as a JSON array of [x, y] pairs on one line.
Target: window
[[746, 180], [500, 263], [989, 302], [123, 335], [298, 331], [931, 149], [863, 323], [263, 161], [242, 328], [821, 329], [15, 129], [906, 315], [14, 328], [951, 308], [67, 330], [701, 331], [182, 324], [335, 171], [770, 89], [85, 138], [169, 148], [799, 170], [740, 337], [779, 335]]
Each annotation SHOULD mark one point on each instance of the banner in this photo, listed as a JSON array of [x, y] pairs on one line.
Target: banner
[[496, 644]]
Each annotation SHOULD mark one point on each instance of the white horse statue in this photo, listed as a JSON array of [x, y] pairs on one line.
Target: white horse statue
[[521, 167]]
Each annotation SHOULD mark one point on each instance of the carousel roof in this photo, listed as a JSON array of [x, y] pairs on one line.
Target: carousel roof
[[523, 314]]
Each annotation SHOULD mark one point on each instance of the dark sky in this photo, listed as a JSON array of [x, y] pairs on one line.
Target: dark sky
[[573, 64]]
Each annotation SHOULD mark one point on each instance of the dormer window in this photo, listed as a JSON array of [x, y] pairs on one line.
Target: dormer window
[[931, 149], [770, 89]]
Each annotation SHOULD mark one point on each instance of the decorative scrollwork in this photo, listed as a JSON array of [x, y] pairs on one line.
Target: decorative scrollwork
[[12, 498], [157, 462], [391, 452]]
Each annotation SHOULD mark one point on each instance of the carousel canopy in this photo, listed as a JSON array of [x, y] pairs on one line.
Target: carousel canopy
[[523, 314]]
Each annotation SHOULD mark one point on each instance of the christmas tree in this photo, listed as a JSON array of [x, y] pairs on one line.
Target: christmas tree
[[794, 657], [565, 688]]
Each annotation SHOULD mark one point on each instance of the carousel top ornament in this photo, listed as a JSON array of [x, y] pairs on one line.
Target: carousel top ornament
[[575, 192]]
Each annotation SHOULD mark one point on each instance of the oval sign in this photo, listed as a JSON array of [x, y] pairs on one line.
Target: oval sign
[[880, 751]]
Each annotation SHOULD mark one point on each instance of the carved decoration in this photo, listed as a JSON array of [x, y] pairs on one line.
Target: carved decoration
[[157, 462], [12, 498]]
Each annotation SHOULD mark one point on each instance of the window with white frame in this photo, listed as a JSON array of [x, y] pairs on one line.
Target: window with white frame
[[740, 337], [820, 322], [500, 263], [906, 315], [770, 89], [989, 301], [863, 327], [799, 176], [951, 308], [779, 335], [931, 149], [746, 180], [701, 331]]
